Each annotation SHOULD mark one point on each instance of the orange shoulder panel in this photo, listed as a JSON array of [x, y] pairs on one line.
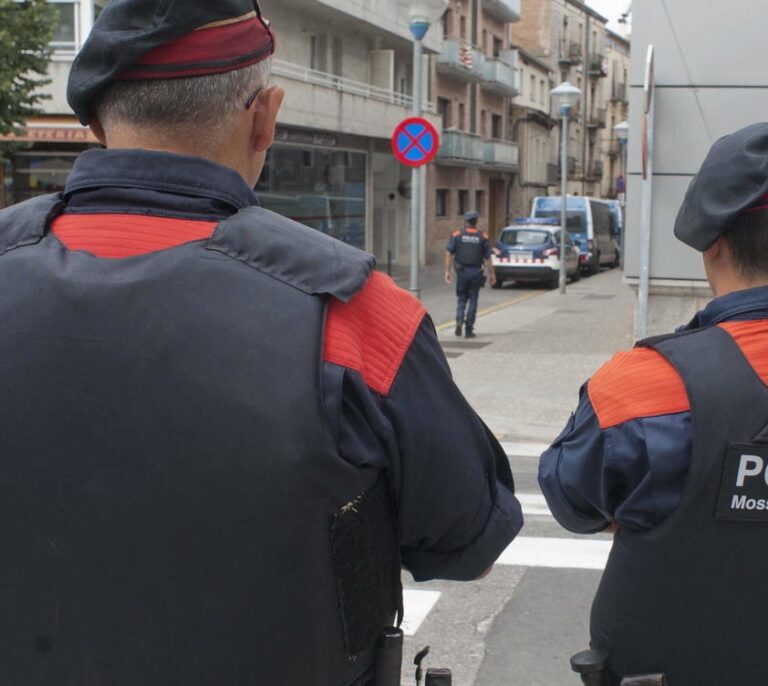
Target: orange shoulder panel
[[636, 384], [372, 332], [752, 338], [456, 233]]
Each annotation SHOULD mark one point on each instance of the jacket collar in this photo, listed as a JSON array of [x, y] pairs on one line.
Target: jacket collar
[[748, 304]]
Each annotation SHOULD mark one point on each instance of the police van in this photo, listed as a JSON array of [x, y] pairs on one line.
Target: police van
[[589, 225]]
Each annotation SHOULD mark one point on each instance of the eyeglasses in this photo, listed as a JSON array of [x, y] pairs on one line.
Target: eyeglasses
[[252, 98]]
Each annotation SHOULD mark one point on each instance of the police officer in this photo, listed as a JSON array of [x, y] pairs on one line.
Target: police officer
[[218, 447], [469, 250], [668, 448]]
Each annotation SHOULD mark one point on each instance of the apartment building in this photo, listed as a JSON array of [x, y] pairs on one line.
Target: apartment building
[[346, 66], [473, 81], [570, 38], [617, 53], [532, 130]]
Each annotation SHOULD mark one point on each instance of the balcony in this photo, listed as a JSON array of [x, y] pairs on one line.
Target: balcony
[[460, 149], [554, 163], [598, 65], [595, 170], [570, 52], [614, 149], [503, 10], [597, 118], [328, 102], [501, 78], [619, 92], [500, 155], [460, 60]]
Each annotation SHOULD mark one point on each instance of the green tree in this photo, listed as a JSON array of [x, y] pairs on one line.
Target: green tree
[[26, 30]]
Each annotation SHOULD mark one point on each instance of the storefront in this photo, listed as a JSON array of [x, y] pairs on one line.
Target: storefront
[[313, 180], [43, 159]]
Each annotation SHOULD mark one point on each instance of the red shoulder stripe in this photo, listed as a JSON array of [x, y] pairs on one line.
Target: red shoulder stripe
[[127, 235], [372, 332], [636, 384]]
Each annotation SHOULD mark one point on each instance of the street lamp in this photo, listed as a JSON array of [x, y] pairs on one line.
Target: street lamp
[[421, 15], [565, 97]]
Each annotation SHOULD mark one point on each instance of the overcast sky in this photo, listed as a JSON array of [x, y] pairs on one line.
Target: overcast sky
[[612, 9]]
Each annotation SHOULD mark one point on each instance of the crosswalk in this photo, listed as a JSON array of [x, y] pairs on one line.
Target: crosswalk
[[544, 551]]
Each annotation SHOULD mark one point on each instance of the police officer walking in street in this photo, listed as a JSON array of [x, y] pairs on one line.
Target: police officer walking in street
[[468, 251], [224, 433], [669, 448]]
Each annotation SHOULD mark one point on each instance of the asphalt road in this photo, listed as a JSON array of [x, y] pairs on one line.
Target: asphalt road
[[520, 625]]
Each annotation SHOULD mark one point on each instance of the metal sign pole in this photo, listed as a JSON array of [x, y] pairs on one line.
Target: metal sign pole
[[565, 113], [646, 218], [416, 176]]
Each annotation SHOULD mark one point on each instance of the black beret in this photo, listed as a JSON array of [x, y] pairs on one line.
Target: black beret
[[471, 216], [732, 180], [151, 39]]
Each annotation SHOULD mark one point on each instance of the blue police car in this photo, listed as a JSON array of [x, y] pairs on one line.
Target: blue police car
[[529, 250]]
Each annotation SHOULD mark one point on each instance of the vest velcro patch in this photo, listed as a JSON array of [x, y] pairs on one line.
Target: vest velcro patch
[[743, 494]]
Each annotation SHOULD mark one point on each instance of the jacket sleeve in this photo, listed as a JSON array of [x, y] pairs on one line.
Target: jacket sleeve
[[624, 462], [450, 478]]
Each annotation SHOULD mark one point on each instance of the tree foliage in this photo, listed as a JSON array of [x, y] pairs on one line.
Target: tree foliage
[[26, 30]]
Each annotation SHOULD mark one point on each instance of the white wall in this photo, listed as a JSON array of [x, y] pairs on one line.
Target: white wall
[[711, 80]]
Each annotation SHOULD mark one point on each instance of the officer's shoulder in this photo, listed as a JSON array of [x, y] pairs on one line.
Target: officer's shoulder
[[372, 332], [456, 233], [27, 221], [486, 236], [636, 384], [293, 253]]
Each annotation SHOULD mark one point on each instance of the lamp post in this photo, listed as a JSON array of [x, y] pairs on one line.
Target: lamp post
[[421, 15], [565, 97]]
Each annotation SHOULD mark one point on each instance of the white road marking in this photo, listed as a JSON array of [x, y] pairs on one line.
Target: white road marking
[[534, 504], [560, 553], [417, 605], [524, 449]]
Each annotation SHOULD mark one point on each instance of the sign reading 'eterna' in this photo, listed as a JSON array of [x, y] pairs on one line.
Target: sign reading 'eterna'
[[743, 492]]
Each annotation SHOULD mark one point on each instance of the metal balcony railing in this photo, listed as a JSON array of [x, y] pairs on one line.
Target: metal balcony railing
[[501, 155], [619, 91], [597, 118], [505, 10], [458, 148], [598, 65], [322, 79], [570, 52], [461, 60], [501, 78]]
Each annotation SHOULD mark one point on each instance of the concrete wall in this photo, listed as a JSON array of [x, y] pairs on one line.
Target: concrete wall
[[710, 81]]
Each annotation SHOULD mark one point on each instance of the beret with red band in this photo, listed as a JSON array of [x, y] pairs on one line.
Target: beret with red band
[[166, 39], [732, 181]]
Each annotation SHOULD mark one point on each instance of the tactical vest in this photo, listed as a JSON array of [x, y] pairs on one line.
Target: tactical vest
[[174, 508], [690, 598], [469, 249]]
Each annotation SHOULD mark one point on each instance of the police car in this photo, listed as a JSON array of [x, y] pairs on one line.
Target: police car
[[529, 250]]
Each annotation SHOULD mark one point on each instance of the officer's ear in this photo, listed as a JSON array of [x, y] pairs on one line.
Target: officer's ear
[[264, 117]]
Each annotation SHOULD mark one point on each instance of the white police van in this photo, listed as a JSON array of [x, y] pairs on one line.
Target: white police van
[[589, 224]]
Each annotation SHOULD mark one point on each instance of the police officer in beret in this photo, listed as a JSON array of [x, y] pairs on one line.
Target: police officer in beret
[[218, 448], [467, 252], [668, 447]]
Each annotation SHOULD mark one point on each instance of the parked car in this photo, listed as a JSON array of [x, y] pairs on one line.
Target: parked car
[[589, 225], [617, 226], [529, 250]]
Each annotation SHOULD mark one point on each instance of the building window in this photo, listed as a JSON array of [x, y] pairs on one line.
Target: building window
[[66, 35], [462, 114], [542, 92], [447, 22], [496, 127], [532, 94], [444, 109], [463, 25], [498, 46], [463, 204], [441, 202], [480, 202], [484, 124]]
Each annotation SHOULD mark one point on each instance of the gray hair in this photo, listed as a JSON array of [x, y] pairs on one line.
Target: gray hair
[[179, 106]]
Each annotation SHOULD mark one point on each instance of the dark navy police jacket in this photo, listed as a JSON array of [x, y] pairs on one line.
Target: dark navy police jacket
[[388, 391], [625, 453]]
